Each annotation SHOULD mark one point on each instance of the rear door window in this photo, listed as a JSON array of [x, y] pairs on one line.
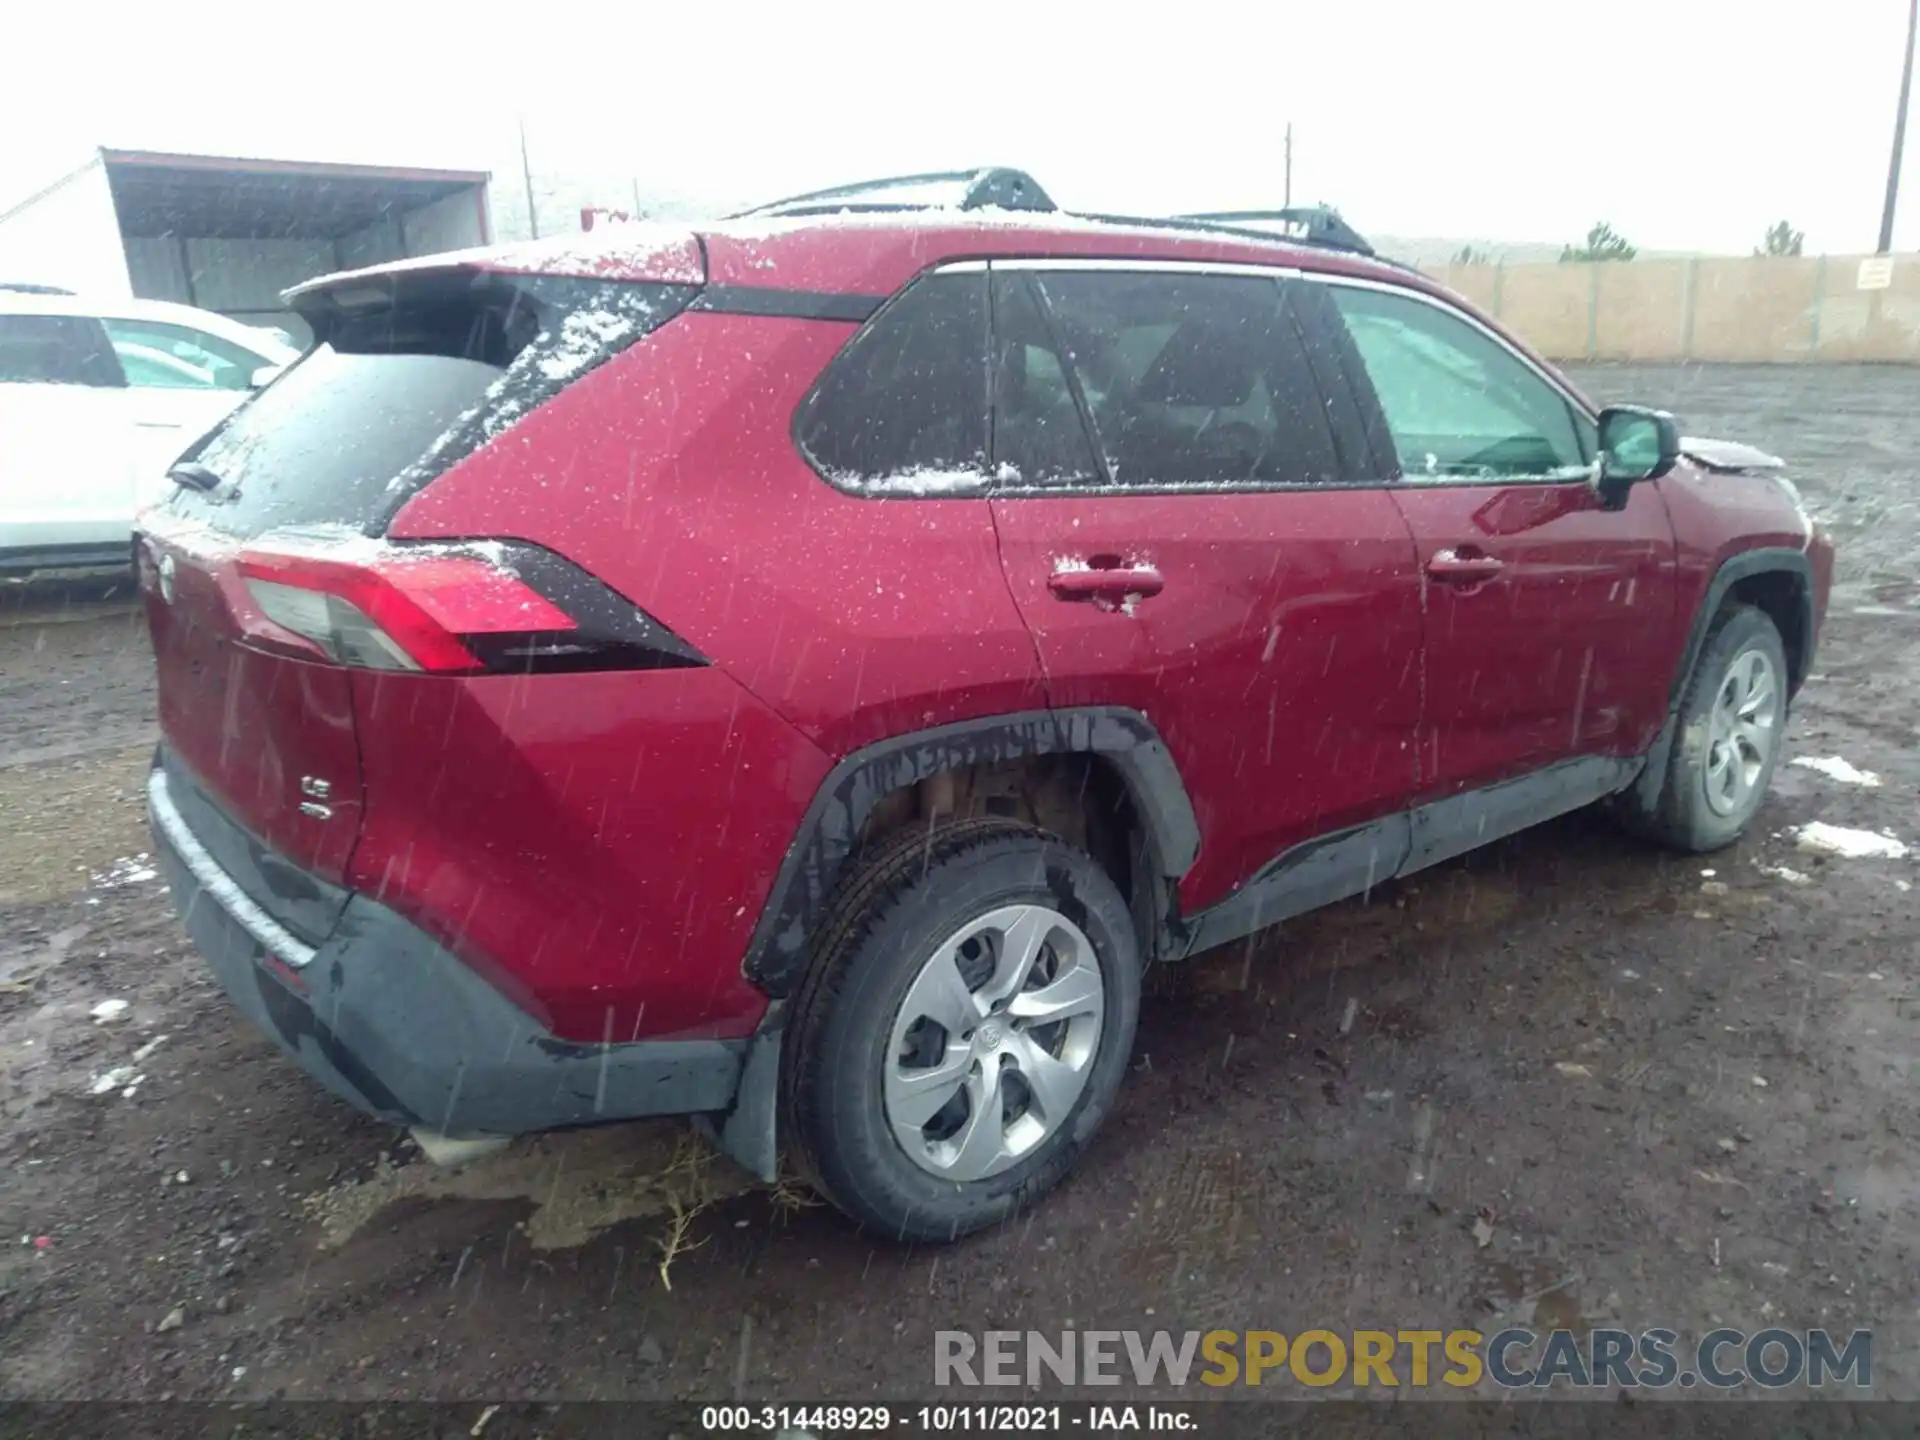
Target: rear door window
[[56, 350], [1191, 380], [903, 408], [403, 386], [1039, 436]]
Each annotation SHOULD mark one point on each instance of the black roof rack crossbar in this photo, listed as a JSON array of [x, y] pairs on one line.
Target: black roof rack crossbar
[[1309, 225], [995, 187]]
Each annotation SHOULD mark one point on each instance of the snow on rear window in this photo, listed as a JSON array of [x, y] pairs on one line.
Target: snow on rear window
[[346, 435], [585, 335]]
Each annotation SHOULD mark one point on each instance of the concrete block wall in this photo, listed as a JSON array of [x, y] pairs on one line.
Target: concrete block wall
[[1759, 309]]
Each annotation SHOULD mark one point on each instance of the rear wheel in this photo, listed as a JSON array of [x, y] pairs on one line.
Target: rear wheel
[[1731, 724], [963, 1028]]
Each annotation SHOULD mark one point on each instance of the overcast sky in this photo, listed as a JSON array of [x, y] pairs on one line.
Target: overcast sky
[[1689, 124]]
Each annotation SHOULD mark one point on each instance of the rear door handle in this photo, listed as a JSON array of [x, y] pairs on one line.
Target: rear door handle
[[1114, 584], [1462, 567]]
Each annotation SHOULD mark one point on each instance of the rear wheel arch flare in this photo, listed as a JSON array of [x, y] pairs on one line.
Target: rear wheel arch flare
[[1123, 741]]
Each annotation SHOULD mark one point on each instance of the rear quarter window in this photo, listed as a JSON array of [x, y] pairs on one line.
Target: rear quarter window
[[902, 410]]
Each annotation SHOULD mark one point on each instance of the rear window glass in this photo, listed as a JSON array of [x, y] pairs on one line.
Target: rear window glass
[[401, 388], [903, 409]]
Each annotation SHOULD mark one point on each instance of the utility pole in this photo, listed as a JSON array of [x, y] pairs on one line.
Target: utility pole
[[1899, 129], [526, 174], [1288, 193]]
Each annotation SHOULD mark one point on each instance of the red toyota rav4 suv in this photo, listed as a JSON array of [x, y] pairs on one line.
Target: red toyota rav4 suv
[[799, 671]]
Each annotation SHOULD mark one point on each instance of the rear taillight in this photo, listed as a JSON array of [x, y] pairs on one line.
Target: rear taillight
[[453, 611], [397, 612]]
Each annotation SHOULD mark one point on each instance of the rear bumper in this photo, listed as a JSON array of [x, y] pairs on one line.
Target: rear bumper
[[391, 1022]]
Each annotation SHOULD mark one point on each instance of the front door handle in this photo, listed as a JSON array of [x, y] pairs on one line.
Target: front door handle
[[1114, 584], [1465, 566]]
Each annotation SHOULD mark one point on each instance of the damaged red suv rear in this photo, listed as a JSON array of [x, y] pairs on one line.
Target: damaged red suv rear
[[798, 672]]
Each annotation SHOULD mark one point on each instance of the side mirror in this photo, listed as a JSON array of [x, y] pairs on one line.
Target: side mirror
[[264, 376], [1635, 444]]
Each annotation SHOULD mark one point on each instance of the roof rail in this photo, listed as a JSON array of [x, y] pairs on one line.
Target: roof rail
[[28, 287], [994, 187], [999, 188], [1308, 224]]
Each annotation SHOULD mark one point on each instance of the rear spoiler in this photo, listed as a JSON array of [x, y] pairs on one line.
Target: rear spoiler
[[638, 252]]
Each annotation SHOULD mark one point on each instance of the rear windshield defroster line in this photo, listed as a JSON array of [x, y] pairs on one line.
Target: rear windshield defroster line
[[406, 379]]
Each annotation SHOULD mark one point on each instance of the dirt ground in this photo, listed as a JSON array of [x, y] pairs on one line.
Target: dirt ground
[[1683, 1090]]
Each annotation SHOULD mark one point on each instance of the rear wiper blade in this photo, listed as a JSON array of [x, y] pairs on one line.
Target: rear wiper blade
[[195, 477]]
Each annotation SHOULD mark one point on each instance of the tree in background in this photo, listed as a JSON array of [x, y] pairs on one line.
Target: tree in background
[[1470, 256], [1782, 239], [1603, 243]]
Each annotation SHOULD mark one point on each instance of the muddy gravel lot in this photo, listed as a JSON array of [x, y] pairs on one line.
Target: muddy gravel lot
[[1671, 1091]]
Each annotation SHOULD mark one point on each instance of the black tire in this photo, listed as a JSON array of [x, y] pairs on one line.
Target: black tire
[[914, 892], [1681, 815]]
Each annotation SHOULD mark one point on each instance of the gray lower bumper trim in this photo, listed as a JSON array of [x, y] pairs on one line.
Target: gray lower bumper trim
[[395, 1024], [219, 886]]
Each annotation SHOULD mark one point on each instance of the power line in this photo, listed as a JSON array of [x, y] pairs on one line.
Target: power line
[[526, 174], [1899, 129]]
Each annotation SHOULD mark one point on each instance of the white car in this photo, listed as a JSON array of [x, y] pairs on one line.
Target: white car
[[97, 399]]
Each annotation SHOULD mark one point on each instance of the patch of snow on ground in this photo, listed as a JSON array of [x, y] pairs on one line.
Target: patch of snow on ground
[[108, 1010], [125, 871], [1834, 768], [1788, 874], [124, 1079], [1817, 835]]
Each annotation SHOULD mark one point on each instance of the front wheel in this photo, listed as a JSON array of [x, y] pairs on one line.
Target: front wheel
[[1731, 724], [963, 1029]]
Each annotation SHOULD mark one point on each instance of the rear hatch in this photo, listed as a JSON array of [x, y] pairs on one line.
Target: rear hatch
[[268, 582]]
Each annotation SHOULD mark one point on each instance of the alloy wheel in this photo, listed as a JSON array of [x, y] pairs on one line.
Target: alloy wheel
[[1743, 730], [994, 1043]]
